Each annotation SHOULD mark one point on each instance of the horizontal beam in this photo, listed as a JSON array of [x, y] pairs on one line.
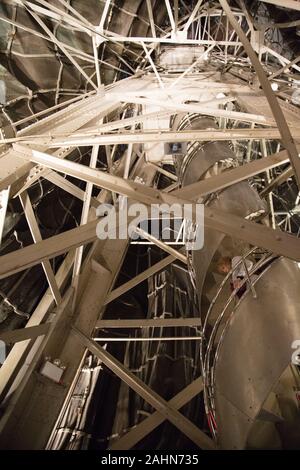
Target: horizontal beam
[[23, 334], [142, 339], [149, 323], [256, 234], [165, 40], [177, 419], [139, 278], [253, 233], [162, 245], [140, 137]]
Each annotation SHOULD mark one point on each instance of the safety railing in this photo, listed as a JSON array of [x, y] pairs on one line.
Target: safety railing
[[210, 344]]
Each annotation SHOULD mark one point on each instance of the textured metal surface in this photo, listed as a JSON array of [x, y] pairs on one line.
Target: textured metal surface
[[256, 350]]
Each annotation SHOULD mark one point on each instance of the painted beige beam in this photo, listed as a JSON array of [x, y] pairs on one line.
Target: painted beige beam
[[251, 232], [141, 137], [23, 334], [208, 108], [277, 112], [139, 278], [150, 423], [67, 186], [36, 235], [177, 419], [289, 24], [13, 169], [193, 15], [13, 362], [170, 14], [230, 177], [144, 339], [84, 219], [120, 123], [232, 225], [291, 4], [285, 175], [284, 68], [149, 323], [151, 19], [163, 171], [47, 249], [166, 40], [64, 104], [163, 246]]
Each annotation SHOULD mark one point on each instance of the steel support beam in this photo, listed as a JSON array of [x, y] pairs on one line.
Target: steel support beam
[[193, 15], [150, 423], [232, 225], [140, 137], [44, 399], [163, 246], [291, 4], [23, 334], [148, 323], [277, 112], [47, 249], [163, 407], [151, 19], [285, 175], [13, 362], [140, 278], [36, 235], [230, 177]]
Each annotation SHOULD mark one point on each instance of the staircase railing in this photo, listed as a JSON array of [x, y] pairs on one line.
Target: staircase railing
[[210, 348]]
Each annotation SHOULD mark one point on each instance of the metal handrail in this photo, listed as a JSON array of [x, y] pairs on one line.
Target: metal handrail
[[228, 275], [210, 371], [202, 362], [220, 342], [208, 374]]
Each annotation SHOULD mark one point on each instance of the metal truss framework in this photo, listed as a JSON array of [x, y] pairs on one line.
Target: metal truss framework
[[41, 150]]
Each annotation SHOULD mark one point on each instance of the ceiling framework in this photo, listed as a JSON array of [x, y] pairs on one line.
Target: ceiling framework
[[128, 117]]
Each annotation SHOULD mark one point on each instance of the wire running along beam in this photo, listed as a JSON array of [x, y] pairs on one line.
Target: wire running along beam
[[164, 408], [283, 127], [142, 429], [237, 227], [277, 240], [152, 136]]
